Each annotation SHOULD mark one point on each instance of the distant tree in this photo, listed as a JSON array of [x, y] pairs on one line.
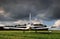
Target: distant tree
[[45, 25], [53, 27]]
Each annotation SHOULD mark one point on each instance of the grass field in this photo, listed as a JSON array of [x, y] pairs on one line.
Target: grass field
[[29, 35]]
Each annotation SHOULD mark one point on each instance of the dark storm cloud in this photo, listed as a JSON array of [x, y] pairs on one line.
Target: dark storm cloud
[[54, 10], [20, 9]]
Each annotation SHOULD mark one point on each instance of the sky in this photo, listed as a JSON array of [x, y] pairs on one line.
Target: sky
[[14, 10]]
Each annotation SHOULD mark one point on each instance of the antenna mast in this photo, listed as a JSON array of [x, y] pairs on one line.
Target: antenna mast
[[30, 18]]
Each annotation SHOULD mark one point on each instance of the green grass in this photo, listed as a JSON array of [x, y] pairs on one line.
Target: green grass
[[29, 35]]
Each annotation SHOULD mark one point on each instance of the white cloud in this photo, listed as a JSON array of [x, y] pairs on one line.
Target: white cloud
[[57, 23]]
